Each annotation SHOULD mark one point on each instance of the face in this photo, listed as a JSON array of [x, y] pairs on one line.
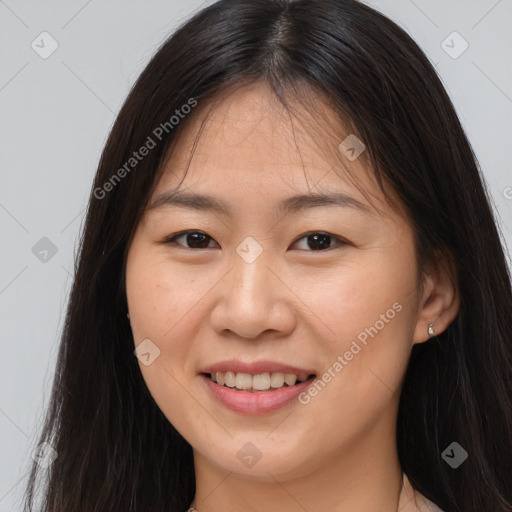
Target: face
[[321, 293]]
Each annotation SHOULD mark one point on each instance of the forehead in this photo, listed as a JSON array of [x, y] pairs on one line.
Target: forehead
[[247, 142]]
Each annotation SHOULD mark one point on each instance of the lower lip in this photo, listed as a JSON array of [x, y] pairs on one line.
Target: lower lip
[[258, 402]]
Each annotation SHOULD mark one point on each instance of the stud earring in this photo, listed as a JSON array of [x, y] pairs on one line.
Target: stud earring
[[431, 331], [128, 316]]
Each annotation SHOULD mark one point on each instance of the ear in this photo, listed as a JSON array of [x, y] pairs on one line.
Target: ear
[[440, 300]]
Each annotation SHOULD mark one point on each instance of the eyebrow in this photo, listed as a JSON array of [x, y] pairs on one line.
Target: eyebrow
[[291, 204]]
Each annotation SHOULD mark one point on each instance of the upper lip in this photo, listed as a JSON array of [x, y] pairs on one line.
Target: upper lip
[[255, 367]]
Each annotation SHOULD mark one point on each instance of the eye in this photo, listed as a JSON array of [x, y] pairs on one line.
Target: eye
[[320, 241], [194, 239], [315, 241]]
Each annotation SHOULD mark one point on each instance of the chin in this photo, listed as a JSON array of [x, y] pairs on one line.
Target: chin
[[263, 461]]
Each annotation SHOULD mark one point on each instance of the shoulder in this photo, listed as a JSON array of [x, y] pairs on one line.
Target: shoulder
[[413, 501], [430, 507]]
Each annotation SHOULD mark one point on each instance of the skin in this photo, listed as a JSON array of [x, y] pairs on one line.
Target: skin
[[293, 304]]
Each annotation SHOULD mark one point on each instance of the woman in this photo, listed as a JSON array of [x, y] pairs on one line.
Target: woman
[[291, 292]]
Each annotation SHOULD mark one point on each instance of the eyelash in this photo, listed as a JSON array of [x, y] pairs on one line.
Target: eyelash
[[172, 240]]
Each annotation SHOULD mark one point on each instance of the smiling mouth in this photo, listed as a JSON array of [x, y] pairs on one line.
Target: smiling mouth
[[258, 383]]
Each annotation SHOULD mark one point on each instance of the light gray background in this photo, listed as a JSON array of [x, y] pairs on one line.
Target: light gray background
[[55, 114]]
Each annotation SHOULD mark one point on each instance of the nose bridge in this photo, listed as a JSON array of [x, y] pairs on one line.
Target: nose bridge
[[250, 280], [252, 300]]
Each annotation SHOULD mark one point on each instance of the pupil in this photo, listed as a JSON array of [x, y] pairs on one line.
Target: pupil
[[320, 240], [200, 240]]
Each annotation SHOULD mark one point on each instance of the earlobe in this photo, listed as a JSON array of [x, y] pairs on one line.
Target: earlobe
[[440, 302]]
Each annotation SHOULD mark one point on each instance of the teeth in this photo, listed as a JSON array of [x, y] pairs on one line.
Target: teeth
[[290, 379], [229, 379], [259, 382], [277, 380], [243, 381]]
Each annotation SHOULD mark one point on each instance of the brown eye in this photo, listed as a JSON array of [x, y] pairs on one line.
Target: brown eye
[[319, 241], [193, 240]]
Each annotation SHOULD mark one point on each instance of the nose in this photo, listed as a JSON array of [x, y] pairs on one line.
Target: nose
[[252, 300]]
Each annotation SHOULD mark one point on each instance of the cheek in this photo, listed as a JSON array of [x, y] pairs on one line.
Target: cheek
[[354, 300], [367, 316], [160, 296], [164, 308]]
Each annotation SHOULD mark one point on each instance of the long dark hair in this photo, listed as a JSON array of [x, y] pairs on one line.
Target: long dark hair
[[115, 448]]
